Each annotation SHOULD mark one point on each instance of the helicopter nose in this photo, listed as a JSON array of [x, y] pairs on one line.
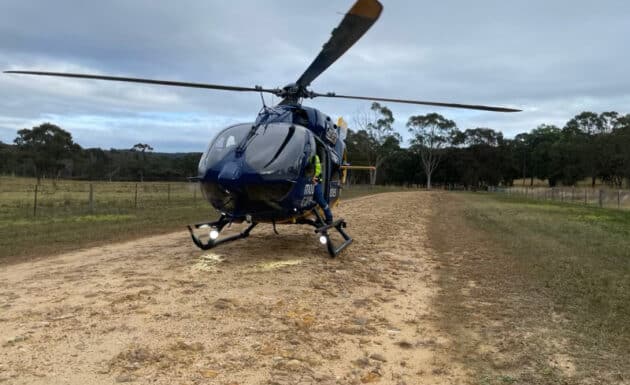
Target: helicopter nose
[[229, 175]]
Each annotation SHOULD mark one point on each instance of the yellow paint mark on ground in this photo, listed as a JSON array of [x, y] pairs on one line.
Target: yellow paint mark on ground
[[208, 262], [268, 266]]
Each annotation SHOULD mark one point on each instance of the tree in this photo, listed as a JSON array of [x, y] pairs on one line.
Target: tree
[[432, 132], [485, 157], [586, 122], [523, 151], [141, 148], [621, 138], [382, 139], [589, 128], [46, 146], [94, 163], [543, 139]]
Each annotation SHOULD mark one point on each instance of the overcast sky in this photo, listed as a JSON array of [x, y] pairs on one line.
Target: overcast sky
[[553, 59]]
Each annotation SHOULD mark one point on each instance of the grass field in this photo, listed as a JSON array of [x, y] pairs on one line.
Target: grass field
[[536, 292], [582, 255], [66, 220]]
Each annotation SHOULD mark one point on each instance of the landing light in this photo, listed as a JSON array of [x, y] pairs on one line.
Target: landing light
[[214, 234], [323, 240]]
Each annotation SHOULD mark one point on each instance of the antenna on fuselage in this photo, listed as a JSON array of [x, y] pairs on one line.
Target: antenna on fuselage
[[263, 100]]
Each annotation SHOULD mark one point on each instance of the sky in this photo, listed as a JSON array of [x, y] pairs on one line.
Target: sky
[[553, 59]]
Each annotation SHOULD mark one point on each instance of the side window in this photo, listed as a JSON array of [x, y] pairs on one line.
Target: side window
[[321, 152], [309, 152]]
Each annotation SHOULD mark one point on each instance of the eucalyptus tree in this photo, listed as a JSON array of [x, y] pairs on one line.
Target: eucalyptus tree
[[431, 134], [377, 123]]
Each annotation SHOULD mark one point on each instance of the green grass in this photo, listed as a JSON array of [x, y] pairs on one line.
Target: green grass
[[581, 256], [551, 278], [560, 271], [65, 220]]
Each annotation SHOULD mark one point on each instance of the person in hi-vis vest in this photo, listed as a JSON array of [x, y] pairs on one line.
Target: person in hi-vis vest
[[318, 194]]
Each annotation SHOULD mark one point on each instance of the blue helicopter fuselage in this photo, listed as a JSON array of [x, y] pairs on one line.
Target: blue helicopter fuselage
[[264, 170]]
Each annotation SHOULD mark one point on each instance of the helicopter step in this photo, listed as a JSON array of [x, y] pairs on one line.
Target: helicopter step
[[324, 237], [322, 229], [215, 229]]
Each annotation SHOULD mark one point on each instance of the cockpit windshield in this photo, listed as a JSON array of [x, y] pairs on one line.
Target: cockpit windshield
[[226, 141], [277, 150], [274, 150]]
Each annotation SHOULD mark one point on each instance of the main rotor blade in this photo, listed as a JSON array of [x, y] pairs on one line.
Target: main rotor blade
[[437, 104], [146, 81], [356, 22]]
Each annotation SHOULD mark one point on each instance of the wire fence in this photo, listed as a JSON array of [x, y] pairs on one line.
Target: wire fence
[[600, 197], [76, 198], [22, 198]]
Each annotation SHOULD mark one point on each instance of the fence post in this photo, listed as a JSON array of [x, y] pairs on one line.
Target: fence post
[[91, 198], [601, 198], [168, 189], [618, 199], [572, 194], [585, 196], [35, 202], [135, 199]]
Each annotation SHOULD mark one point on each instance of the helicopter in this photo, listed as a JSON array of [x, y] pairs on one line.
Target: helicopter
[[262, 171]]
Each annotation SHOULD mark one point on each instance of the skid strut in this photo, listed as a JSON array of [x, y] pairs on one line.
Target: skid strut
[[217, 226]]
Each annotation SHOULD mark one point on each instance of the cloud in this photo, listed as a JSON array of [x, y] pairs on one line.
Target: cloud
[[553, 59]]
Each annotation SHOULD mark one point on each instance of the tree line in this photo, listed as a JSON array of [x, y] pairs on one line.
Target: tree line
[[589, 146], [48, 151]]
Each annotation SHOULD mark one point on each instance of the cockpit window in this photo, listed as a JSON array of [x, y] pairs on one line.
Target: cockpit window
[[277, 151], [226, 141]]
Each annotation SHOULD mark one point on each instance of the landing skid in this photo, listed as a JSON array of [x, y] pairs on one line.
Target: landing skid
[[217, 226], [321, 228]]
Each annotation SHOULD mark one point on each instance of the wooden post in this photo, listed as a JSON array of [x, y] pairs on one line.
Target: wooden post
[[601, 198], [35, 202], [91, 198], [572, 194], [168, 189], [618, 199], [585, 196], [135, 199]]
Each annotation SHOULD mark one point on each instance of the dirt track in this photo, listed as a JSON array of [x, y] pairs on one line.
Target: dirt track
[[273, 309]]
